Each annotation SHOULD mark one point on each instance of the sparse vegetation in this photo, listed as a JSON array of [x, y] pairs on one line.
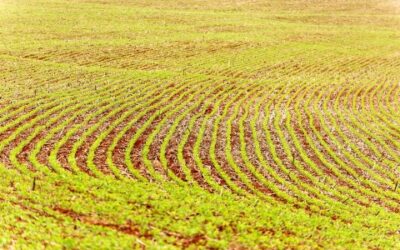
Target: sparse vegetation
[[199, 124]]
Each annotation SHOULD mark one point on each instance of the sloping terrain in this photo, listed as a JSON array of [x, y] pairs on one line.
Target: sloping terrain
[[215, 124]]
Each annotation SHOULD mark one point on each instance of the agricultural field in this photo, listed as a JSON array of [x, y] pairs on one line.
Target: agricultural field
[[188, 124]]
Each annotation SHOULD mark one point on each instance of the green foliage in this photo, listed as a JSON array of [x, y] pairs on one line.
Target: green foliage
[[199, 124]]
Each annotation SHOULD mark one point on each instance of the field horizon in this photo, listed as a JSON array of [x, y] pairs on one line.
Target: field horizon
[[160, 124]]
